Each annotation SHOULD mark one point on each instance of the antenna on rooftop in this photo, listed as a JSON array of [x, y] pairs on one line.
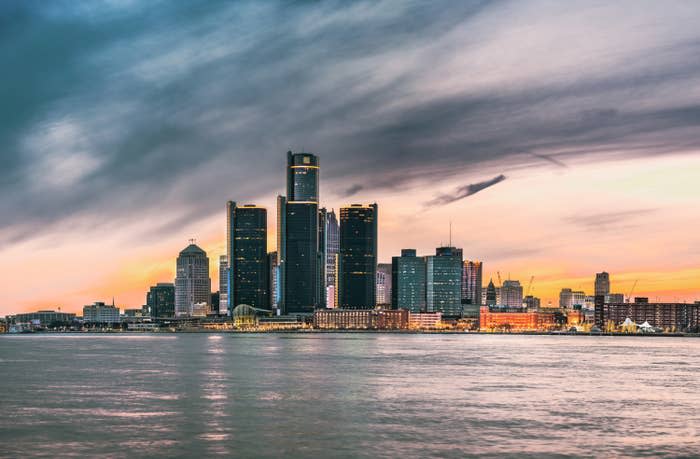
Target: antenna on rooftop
[[450, 245]]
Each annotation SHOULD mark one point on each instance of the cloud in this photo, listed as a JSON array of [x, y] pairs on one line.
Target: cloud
[[464, 191], [174, 108], [610, 221], [354, 189]]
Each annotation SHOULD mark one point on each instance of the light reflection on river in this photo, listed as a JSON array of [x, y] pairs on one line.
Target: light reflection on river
[[347, 395]]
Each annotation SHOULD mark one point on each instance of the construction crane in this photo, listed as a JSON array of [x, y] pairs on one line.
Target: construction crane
[[529, 285], [629, 295], [499, 278]]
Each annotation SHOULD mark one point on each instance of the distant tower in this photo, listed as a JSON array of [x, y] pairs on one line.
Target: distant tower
[[192, 282], [602, 284], [357, 262], [491, 294], [384, 284], [408, 281], [223, 284], [512, 294], [471, 282], [332, 248], [298, 235], [444, 281]]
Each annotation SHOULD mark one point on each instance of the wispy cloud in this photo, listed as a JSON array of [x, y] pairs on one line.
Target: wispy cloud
[[464, 191]]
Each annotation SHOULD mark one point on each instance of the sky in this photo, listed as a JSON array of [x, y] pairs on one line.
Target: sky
[[559, 138]]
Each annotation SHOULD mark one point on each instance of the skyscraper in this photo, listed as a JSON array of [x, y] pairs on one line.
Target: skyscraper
[[384, 283], [602, 283], [160, 300], [491, 299], [332, 248], [321, 255], [248, 262], [444, 282], [192, 282], [223, 284], [408, 281], [471, 282], [357, 262], [512, 294], [274, 279], [298, 235], [569, 298]]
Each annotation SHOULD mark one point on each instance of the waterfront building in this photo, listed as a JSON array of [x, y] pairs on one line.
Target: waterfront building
[[43, 318], [247, 260], [531, 302], [602, 283], [408, 281], [666, 316], [99, 312], [274, 279], [321, 255], [357, 261], [223, 284], [298, 235], [614, 298], [443, 287], [361, 319], [471, 282], [160, 300], [512, 294], [424, 320], [515, 319], [569, 298], [384, 284], [192, 282], [332, 250]]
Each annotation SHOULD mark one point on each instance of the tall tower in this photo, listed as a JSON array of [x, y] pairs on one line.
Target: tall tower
[[358, 257], [248, 262], [408, 281], [332, 248], [602, 284], [298, 235], [223, 285], [192, 282], [443, 288], [471, 282]]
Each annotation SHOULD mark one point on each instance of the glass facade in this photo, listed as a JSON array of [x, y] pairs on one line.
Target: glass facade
[[358, 257], [248, 268], [192, 282], [408, 282], [444, 282], [471, 282], [160, 300]]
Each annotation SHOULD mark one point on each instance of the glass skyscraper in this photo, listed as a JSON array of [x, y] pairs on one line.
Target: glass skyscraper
[[444, 282], [192, 281], [357, 260], [471, 282], [248, 261], [332, 248], [160, 300], [298, 236], [408, 281]]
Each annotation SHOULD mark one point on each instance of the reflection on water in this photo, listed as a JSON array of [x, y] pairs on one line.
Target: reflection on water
[[357, 395]]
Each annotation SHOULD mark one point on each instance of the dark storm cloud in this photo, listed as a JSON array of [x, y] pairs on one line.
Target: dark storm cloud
[[464, 191], [354, 189], [113, 111]]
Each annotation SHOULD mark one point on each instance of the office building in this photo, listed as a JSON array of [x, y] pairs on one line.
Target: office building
[[471, 282], [298, 234], [408, 281], [602, 283], [569, 298], [321, 273], [666, 316], [361, 319], [512, 294], [384, 284], [516, 319], [614, 298], [274, 279], [443, 287], [531, 302], [357, 259], [99, 312], [491, 297], [192, 281], [247, 259], [223, 285], [332, 249], [160, 300]]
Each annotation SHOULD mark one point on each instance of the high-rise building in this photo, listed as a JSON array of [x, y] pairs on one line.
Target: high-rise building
[[491, 299], [332, 249], [512, 294], [298, 235], [160, 300], [569, 298], [384, 283], [321, 255], [614, 298], [602, 283], [471, 282], [223, 284], [357, 260], [408, 281], [192, 282], [274, 279], [248, 263], [531, 302], [443, 287]]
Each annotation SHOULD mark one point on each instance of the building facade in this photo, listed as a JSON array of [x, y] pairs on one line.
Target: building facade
[[471, 281], [512, 294], [332, 250], [357, 260], [223, 284], [384, 284], [248, 267], [192, 281], [443, 286], [515, 319], [569, 298], [667, 316], [602, 283], [361, 319], [408, 282], [99, 312], [160, 300], [298, 235]]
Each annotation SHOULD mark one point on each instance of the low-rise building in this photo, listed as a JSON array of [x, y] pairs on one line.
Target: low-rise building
[[43, 318], [515, 319], [99, 312], [424, 320], [361, 319], [667, 316]]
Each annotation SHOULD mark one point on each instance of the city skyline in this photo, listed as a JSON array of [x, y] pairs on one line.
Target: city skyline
[[552, 154]]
